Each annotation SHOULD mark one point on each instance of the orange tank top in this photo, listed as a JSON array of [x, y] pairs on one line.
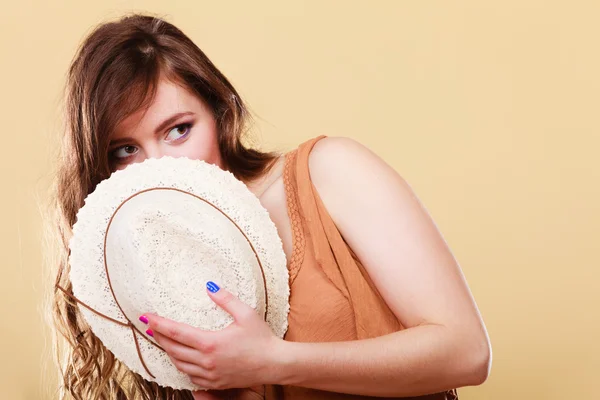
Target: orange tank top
[[332, 297]]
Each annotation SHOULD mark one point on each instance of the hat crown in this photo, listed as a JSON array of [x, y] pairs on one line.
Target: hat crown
[[147, 240]]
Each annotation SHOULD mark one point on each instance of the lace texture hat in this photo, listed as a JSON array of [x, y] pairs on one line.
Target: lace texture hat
[[149, 238]]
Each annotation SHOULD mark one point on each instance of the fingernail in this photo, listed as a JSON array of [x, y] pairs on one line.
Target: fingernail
[[144, 319], [213, 287], [150, 333]]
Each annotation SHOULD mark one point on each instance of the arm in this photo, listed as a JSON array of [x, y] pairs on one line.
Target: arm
[[445, 344]]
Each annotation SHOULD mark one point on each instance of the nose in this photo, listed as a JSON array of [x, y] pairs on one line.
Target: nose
[[153, 150]]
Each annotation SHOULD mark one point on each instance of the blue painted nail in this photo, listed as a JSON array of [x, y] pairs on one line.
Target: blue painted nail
[[213, 287]]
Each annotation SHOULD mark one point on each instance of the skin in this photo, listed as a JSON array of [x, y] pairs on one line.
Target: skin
[[445, 344]]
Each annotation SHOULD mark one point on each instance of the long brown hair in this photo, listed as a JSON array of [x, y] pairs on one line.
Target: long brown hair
[[115, 73]]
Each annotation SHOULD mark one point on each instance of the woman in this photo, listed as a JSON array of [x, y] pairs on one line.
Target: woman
[[379, 307]]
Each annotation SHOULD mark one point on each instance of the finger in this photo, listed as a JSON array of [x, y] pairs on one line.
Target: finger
[[177, 350], [210, 383], [191, 369], [228, 302], [181, 353], [176, 331], [203, 395]]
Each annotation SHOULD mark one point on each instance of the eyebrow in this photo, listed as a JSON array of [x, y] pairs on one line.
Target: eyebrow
[[161, 127]]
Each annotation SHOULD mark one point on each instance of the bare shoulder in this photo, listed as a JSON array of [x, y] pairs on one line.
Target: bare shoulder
[[341, 167], [333, 156], [332, 150]]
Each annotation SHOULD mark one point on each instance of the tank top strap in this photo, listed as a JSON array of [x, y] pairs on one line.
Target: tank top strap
[[372, 315], [307, 219]]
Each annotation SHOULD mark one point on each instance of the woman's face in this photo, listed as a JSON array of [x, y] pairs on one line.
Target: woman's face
[[177, 124]]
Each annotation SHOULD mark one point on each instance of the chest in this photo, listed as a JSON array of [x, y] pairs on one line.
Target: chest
[[275, 202]]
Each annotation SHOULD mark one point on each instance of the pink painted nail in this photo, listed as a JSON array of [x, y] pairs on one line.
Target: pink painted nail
[[144, 319], [150, 333]]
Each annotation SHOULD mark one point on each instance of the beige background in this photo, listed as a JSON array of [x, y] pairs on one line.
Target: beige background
[[489, 109]]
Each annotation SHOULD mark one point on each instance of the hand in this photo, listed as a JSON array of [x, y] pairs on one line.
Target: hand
[[242, 355]]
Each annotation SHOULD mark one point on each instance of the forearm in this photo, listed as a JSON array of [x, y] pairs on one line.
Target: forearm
[[421, 360]]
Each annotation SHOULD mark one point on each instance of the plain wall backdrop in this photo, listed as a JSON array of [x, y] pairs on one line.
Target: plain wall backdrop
[[488, 109]]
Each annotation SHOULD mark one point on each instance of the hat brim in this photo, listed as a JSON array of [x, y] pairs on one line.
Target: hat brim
[[209, 185]]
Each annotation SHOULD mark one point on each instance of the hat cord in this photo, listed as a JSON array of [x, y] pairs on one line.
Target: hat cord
[[129, 324]]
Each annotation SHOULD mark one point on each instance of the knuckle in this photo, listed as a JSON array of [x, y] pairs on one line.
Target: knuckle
[[210, 364], [207, 346], [173, 333], [212, 377]]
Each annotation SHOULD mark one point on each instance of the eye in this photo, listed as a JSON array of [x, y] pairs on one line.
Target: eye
[[123, 152], [178, 132]]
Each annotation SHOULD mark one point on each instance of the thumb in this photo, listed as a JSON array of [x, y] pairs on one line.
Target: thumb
[[228, 302]]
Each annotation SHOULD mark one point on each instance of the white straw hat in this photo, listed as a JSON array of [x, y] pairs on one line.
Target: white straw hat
[[149, 238]]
